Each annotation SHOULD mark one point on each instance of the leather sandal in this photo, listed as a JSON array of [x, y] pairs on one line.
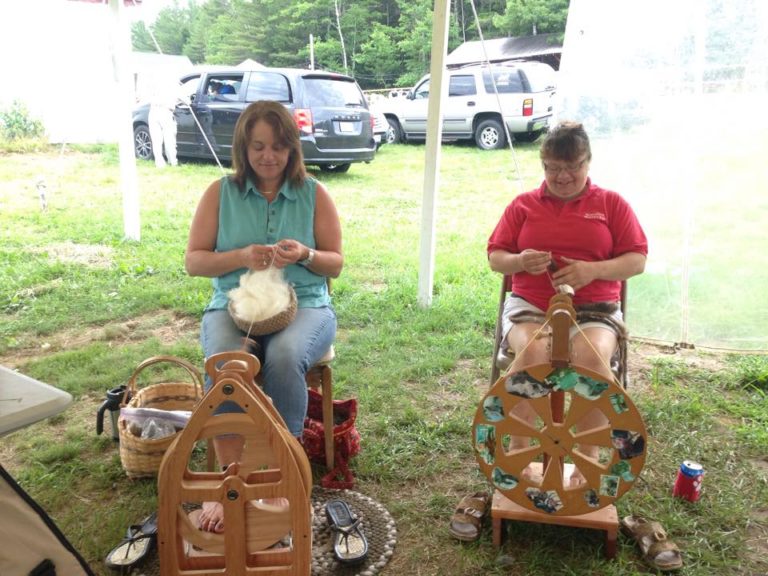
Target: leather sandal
[[658, 551], [467, 519], [349, 543], [135, 548]]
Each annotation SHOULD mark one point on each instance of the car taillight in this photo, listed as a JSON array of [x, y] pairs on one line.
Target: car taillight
[[303, 118], [528, 107], [373, 124]]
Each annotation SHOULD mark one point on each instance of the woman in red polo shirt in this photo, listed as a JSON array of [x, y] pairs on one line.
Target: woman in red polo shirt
[[568, 231]]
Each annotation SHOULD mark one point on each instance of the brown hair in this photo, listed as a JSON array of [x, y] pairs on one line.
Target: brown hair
[[567, 141], [286, 133]]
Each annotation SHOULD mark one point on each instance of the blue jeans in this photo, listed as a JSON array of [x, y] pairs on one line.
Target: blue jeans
[[288, 354]]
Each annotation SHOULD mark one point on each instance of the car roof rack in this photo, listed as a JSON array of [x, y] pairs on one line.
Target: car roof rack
[[507, 63]]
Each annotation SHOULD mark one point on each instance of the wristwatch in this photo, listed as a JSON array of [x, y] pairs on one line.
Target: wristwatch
[[308, 260]]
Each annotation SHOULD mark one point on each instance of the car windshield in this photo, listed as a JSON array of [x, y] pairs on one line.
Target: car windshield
[[334, 93]]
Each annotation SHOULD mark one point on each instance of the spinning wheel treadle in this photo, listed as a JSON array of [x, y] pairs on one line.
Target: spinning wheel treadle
[[561, 395]]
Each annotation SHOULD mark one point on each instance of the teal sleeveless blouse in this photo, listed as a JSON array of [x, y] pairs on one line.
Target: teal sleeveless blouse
[[245, 217]]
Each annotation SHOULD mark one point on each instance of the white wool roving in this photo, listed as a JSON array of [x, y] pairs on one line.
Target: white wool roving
[[262, 294]]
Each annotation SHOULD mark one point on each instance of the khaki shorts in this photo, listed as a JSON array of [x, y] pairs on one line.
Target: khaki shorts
[[515, 305]]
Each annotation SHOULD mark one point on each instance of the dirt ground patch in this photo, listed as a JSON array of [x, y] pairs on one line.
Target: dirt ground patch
[[165, 326], [96, 256]]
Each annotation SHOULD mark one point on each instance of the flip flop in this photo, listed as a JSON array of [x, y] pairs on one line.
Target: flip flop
[[658, 551], [134, 549], [349, 544]]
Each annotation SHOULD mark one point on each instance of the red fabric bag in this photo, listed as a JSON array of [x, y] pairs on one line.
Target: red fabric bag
[[346, 438]]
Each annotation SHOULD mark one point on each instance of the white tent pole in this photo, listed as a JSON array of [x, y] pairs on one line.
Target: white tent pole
[[121, 54], [437, 88]]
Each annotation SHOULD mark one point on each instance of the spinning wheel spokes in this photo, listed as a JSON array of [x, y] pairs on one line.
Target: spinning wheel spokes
[[566, 467]]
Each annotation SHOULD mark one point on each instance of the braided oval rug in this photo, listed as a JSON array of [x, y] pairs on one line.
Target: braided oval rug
[[377, 525]]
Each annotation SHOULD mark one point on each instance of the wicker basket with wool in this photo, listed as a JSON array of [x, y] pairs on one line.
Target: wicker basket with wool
[[141, 457], [268, 325]]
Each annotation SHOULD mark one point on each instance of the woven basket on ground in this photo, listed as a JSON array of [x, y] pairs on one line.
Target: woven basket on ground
[[268, 325], [141, 457]]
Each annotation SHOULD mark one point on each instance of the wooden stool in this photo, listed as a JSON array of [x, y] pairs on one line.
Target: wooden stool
[[606, 519], [320, 377], [273, 466]]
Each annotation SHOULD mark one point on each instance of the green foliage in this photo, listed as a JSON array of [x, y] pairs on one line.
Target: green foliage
[[529, 17], [16, 123], [752, 372], [328, 55], [379, 56], [202, 19], [386, 42], [171, 30], [141, 38]]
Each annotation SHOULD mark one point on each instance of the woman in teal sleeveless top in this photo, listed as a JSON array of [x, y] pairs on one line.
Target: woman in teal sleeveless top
[[268, 213]]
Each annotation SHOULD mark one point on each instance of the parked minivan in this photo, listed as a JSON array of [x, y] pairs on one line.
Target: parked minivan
[[330, 110], [473, 111]]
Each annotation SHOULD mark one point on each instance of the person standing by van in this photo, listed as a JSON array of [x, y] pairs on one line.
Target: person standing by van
[[162, 124]]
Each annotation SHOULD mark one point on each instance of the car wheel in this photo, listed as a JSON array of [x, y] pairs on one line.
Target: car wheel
[[394, 132], [338, 168], [142, 143], [490, 135], [528, 136]]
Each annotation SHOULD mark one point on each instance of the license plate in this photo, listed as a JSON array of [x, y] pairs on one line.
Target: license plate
[[347, 127]]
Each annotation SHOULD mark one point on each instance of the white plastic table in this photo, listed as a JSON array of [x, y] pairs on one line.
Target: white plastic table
[[24, 400]]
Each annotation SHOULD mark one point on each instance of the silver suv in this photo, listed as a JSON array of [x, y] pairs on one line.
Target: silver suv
[[525, 92]]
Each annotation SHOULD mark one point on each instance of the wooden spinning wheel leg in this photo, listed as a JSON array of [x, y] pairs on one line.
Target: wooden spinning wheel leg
[[498, 531], [610, 543]]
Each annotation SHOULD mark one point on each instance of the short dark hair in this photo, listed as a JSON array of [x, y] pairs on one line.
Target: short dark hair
[[567, 141], [286, 132]]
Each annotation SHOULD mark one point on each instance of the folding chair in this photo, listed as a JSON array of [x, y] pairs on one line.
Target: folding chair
[[502, 358]]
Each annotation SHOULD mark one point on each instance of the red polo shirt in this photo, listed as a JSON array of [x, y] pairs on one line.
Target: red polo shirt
[[598, 225]]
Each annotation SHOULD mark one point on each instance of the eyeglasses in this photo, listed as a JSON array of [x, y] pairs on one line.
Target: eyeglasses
[[569, 168]]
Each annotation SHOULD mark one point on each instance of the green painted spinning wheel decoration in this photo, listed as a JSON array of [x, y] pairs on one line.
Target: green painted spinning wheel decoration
[[558, 438]]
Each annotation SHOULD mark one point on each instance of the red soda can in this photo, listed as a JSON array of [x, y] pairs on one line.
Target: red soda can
[[688, 481]]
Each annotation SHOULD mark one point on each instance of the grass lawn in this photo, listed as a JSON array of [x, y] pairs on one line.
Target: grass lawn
[[81, 308]]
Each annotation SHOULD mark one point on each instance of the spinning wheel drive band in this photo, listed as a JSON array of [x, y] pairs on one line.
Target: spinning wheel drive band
[[552, 446]]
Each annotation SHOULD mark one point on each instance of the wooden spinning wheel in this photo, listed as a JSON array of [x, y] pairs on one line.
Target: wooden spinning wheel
[[273, 466], [546, 464]]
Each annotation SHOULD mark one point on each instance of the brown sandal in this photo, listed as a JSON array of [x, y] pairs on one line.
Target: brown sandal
[[658, 551], [467, 519]]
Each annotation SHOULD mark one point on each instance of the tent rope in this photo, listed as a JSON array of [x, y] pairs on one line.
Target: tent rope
[[487, 62]]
